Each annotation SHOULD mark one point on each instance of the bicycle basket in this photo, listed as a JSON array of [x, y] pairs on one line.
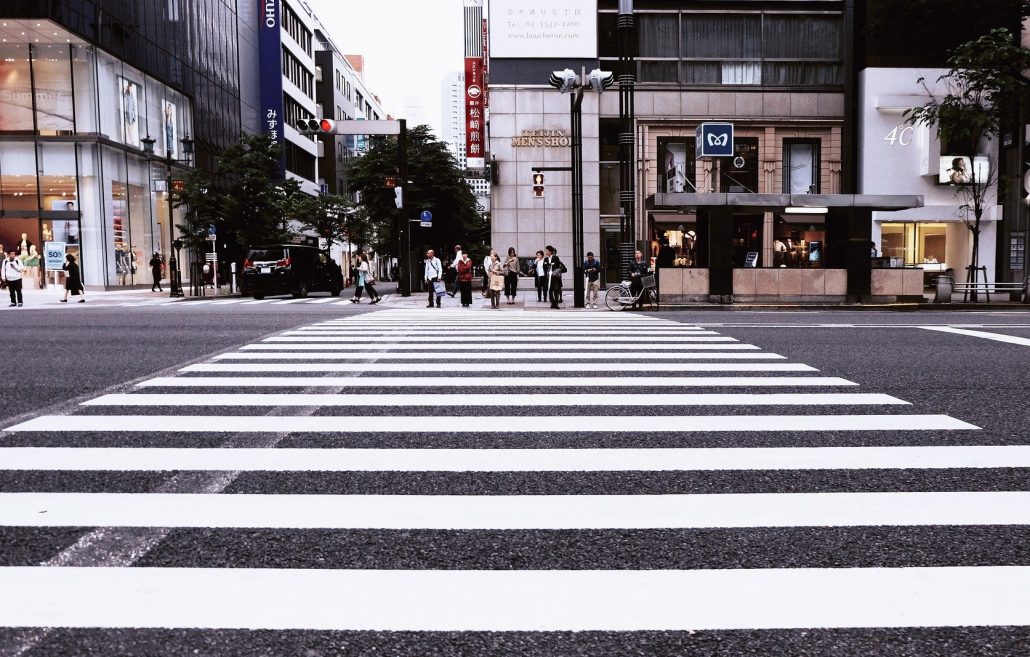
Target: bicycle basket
[[647, 281]]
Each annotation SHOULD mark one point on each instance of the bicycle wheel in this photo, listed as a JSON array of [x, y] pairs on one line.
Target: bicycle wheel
[[612, 298]]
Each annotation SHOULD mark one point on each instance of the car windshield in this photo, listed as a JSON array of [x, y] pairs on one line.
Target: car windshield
[[267, 255]]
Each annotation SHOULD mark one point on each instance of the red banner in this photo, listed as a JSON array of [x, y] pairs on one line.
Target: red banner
[[475, 132]]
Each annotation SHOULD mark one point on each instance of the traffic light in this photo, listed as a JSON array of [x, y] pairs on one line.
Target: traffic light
[[316, 127], [600, 80], [398, 197], [564, 81], [538, 184]]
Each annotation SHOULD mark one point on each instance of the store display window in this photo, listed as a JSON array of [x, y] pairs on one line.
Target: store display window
[[676, 170], [739, 174], [916, 243], [675, 244], [799, 242]]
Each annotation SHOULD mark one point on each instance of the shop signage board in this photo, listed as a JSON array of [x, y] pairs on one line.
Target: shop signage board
[[752, 259], [426, 219], [474, 113], [714, 140], [552, 29], [53, 253], [270, 72]]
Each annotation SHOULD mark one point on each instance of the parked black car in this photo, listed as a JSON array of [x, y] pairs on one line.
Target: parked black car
[[290, 269]]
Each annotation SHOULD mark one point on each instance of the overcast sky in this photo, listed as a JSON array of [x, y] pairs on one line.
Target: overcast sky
[[409, 46]]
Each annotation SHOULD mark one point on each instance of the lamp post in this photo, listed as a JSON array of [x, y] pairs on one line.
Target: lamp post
[[174, 275], [568, 82], [627, 138]]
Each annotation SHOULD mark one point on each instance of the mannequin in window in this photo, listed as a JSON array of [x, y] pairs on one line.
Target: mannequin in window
[[23, 246], [121, 264], [31, 262], [48, 234]]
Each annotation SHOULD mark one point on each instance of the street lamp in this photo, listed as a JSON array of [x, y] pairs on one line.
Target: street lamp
[[567, 81], [174, 275]]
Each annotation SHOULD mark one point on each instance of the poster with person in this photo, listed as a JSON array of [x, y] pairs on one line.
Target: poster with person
[[129, 99], [170, 129]]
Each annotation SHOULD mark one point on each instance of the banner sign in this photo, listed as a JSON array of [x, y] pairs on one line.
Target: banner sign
[[474, 119], [53, 255], [714, 140], [271, 72], [552, 29]]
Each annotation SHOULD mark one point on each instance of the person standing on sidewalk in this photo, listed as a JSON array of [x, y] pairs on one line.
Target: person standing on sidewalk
[[540, 276], [13, 270], [554, 268], [73, 279], [486, 272], [637, 270], [433, 272], [155, 272], [511, 276], [496, 278], [454, 265], [464, 266], [592, 270]]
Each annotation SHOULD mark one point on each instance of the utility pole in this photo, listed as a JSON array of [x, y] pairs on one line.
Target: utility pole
[[403, 227], [627, 73]]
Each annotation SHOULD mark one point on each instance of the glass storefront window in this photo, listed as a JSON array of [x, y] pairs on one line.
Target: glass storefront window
[[18, 177], [799, 243], [739, 174], [52, 77], [57, 183], [85, 89], [676, 166], [800, 166], [675, 244], [915, 243], [15, 89]]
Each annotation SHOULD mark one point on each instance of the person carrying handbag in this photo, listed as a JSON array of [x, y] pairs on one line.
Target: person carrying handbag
[[496, 274], [433, 274], [511, 276], [554, 268]]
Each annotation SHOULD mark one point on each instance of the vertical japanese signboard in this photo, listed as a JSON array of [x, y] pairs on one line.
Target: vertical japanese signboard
[[474, 118], [270, 59]]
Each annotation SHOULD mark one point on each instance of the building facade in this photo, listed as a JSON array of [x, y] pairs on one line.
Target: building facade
[[83, 86]]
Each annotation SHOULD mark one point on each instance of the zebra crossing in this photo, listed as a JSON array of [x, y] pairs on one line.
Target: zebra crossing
[[526, 474]]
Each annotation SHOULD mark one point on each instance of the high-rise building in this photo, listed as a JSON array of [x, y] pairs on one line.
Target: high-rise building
[[81, 96]]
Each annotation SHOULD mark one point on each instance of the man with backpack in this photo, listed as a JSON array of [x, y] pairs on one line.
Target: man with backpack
[[592, 270]]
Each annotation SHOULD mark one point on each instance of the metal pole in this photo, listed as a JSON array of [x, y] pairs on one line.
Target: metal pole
[[577, 196], [403, 228], [173, 263], [627, 73]]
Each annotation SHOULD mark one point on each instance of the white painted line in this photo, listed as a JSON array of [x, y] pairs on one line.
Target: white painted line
[[514, 601], [511, 512], [326, 300], [463, 331], [284, 301], [124, 459], [501, 399], [488, 424], [522, 355], [358, 337], [227, 301], [382, 347], [1024, 342], [520, 382], [251, 303], [499, 367]]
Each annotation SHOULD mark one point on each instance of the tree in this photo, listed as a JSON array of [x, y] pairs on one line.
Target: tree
[[327, 215], [435, 183], [984, 81]]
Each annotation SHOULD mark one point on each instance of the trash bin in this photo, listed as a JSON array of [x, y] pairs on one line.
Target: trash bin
[[945, 286]]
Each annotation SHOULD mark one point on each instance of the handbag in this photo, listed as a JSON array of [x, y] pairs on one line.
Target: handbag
[[440, 288], [496, 282]]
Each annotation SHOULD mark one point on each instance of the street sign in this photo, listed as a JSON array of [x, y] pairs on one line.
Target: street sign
[[714, 140], [211, 230], [426, 219], [355, 127], [54, 255], [212, 238], [323, 189]]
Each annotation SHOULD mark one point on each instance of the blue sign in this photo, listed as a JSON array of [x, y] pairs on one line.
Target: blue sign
[[270, 45], [714, 140], [426, 219], [323, 188], [53, 255], [211, 229]]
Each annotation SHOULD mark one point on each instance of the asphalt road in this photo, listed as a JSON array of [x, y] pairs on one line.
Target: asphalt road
[[951, 379]]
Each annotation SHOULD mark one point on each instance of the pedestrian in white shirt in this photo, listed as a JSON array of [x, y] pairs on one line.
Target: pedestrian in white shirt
[[13, 270], [458, 255], [433, 272], [487, 261]]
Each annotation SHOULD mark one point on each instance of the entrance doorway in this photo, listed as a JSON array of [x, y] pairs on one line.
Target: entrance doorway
[[610, 242]]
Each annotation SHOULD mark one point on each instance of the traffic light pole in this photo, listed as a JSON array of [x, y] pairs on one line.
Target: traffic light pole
[[403, 226], [578, 285]]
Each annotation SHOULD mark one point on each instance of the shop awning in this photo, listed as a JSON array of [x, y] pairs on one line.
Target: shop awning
[[780, 202]]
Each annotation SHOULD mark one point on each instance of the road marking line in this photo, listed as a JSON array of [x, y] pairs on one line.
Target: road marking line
[[488, 424], [519, 601], [251, 303], [1025, 342], [501, 399], [285, 301], [499, 367], [380, 348], [524, 355], [520, 382], [158, 459], [513, 512], [326, 300], [359, 338]]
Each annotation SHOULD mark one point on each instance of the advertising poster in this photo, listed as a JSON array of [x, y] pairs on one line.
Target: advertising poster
[[543, 29], [956, 170], [170, 128], [674, 169], [54, 255], [474, 132], [64, 206], [129, 97]]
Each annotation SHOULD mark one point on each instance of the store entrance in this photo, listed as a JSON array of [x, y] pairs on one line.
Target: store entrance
[[28, 238], [610, 262]]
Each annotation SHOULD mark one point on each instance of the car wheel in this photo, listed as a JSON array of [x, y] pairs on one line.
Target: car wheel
[[259, 297], [301, 291], [335, 290]]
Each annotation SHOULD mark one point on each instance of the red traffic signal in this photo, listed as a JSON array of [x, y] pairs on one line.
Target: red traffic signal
[[316, 126], [390, 181]]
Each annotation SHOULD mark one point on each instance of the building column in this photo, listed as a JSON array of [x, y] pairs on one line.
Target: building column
[[720, 253]]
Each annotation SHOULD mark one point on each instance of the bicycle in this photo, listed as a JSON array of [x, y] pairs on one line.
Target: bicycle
[[620, 297]]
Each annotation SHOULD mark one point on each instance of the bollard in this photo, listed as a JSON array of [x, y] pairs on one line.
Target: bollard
[[945, 287]]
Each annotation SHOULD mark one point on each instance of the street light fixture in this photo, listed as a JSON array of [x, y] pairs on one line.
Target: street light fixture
[[174, 275], [566, 81]]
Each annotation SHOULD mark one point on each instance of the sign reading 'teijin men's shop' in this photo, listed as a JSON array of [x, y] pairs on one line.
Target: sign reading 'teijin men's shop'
[[538, 138]]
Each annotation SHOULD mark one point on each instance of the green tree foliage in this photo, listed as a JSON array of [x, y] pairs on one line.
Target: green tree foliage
[[985, 81], [327, 215], [435, 183]]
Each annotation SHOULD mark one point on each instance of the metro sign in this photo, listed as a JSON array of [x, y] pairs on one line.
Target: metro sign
[[714, 140]]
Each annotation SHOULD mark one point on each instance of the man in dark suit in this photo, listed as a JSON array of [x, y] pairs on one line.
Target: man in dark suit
[[553, 269], [637, 270]]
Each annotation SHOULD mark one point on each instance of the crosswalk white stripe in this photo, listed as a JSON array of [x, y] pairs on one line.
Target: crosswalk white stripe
[[519, 601], [511, 460], [499, 367], [325, 300], [520, 382], [488, 424], [512, 512], [467, 330], [523, 355], [379, 347], [225, 302], [997, 337], [257, 301], [285, 301], [500, 399], [358, 337]]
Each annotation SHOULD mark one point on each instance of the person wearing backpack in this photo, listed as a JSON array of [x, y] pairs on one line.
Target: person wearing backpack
[[13, 270], [592, 270]]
